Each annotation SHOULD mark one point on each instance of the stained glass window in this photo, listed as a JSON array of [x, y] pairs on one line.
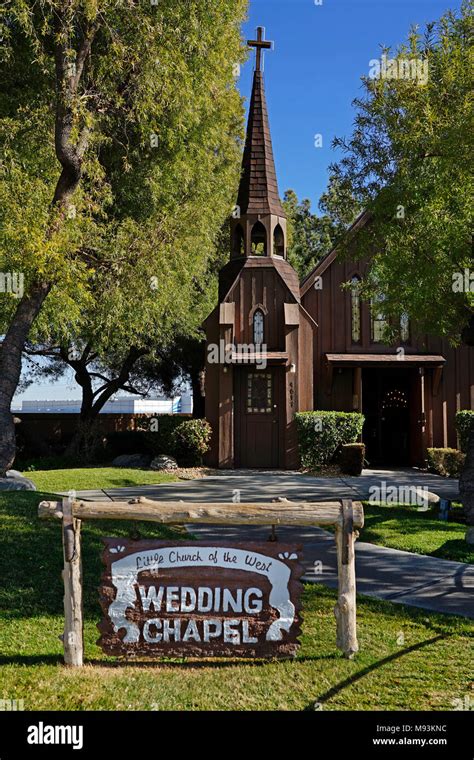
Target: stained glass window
[[259, 393], [404, 328], [378, 321], [355, 310], [258, 320]]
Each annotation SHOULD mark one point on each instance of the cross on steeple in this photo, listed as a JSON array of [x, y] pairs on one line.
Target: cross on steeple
[[260, 44]]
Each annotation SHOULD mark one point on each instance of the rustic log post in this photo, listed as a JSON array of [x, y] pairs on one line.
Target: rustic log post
[[345, 609], [72, 577]]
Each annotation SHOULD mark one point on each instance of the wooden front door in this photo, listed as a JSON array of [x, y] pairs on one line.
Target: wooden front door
[[257, 395], [387, 404]]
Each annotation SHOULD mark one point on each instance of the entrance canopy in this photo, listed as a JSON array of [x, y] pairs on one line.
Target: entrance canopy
[[251, 357], [384, 360]]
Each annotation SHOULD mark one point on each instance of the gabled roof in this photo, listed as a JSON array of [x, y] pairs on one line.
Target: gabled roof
[[229, 275], [258, 190], [327, 260]]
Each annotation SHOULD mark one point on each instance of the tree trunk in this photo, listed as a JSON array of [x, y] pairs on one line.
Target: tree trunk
[[85, 441], [199, 407], [70, 153], [10, 367], [466, 487]]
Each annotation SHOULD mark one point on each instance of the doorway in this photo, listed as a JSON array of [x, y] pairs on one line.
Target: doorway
[[388, 400], [257, 395]]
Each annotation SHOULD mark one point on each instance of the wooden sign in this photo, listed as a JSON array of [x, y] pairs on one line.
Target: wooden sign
[[200, 599]]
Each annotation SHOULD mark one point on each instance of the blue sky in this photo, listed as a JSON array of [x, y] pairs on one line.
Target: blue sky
[[311, 79], [313, 75]]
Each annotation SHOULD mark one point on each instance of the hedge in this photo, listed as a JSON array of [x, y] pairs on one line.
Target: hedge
[[154, 437], [464, 420], [321, 434], [446, 462]]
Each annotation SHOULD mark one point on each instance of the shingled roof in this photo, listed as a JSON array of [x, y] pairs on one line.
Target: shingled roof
[[258, 191]]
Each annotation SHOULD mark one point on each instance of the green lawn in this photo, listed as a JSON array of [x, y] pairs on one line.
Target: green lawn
[[88, 478], [409, 659], [402, 527]]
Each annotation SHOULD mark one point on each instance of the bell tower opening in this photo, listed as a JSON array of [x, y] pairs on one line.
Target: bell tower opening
[[238, 242], [259, 240], [278, 241]]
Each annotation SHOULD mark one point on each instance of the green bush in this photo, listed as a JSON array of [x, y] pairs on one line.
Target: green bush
[[446, 462], [351, 458], [158, 432], [191, 441], [321, 434], [464, 420]]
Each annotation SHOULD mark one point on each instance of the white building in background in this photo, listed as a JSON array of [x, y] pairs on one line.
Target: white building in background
[[123, 405]]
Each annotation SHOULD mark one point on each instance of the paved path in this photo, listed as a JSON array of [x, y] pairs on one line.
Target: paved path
[[264, 486], [396, 576]]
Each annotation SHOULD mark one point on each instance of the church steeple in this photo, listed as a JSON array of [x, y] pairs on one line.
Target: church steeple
[[260, 226]]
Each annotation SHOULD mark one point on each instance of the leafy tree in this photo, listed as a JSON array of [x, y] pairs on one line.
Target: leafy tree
[[120, 127], [409, 163], [106, 357], [310, 236]]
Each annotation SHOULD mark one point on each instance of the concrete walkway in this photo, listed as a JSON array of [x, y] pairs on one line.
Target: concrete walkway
[[265, 486], [401, 577]]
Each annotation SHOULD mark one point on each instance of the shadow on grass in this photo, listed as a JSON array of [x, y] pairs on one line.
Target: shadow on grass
[[351, 680], [31, 659], [31, 559], [156, 664]]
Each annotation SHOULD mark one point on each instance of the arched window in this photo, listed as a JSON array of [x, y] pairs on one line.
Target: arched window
[[356, 312], [378, 323], [405, 328], [278, 241], [259, 240], [258, 328], [238, 243]]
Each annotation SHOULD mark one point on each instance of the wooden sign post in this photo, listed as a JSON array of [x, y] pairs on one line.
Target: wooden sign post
[[346, 517]]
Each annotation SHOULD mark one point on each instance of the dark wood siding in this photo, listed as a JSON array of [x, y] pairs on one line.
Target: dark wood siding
[[331, 308]]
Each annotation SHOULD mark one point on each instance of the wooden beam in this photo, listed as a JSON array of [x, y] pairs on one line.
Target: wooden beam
[[345, 609], [292, 314], [437, 375], [329, 378], [357, 389], [72, 576], [289, 513], [226, 313]]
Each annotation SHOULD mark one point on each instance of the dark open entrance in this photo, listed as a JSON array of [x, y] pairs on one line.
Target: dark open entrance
[[257, 394], [391, 403]]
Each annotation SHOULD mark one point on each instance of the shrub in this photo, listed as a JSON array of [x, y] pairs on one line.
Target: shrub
[[321, 434], [191, 441], [158, 432], [464, 421], [351, 458], [446, 462]]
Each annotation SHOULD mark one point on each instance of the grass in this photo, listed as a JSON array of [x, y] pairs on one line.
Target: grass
[[88, 478], [404, 527], [409, 660]]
